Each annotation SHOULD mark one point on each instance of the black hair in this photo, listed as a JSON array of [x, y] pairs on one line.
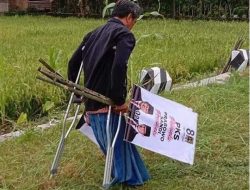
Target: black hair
[[124, 7], [148, 129]]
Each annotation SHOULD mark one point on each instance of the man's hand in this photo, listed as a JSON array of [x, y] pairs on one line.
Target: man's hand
[[123, 108]]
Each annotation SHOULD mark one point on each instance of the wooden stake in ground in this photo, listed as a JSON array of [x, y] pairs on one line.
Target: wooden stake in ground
[[237, 45]]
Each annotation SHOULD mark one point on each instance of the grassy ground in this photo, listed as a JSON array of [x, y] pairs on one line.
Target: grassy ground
[[187, 49], [221, 160]]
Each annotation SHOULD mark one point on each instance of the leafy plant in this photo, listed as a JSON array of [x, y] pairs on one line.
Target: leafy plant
[[22, 119], [106, 8], [54, 58], [48, 106]]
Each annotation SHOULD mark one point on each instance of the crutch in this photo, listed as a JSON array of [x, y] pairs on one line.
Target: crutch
[[110, 150], [64, 133], [52, 77]]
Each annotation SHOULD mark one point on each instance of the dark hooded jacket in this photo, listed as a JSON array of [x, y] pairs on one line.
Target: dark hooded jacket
[[105, 53]]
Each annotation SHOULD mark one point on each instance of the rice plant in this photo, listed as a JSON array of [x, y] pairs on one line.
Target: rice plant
[[186, 49]]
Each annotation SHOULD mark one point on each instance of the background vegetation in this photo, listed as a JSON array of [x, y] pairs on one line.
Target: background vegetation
[[186, 49], [206, 9]]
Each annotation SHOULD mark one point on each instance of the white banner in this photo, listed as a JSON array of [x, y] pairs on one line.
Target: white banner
[[161, 125], [87, 131]]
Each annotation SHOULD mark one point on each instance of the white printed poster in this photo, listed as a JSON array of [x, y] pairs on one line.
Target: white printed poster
[[161, 125]]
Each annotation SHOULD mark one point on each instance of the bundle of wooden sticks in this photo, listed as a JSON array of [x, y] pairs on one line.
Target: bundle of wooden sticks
[[52, 77]]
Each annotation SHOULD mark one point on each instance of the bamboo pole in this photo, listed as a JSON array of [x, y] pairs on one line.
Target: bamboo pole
[[68, 85], [72, 87], [237, 45], [48, 66], [78, 92]]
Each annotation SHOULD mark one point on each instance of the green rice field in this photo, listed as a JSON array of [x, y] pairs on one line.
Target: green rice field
[[186, 49]]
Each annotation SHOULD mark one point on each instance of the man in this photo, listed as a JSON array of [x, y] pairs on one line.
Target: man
[[138, 103], [143, 106], [134, 128], [105, 53]]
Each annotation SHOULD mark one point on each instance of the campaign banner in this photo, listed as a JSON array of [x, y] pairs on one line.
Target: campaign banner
[[161, 125]]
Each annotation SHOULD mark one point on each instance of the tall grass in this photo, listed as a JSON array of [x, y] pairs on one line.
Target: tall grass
[[23, 41], [221, 159], [185, 48]]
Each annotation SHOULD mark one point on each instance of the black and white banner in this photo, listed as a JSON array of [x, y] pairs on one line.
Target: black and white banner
[[161, 125]]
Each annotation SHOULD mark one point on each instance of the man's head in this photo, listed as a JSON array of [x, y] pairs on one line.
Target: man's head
[[144, 130], [127, 11], [146, 107]]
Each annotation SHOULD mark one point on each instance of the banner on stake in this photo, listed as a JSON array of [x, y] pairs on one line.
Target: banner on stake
[[161, 125]]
